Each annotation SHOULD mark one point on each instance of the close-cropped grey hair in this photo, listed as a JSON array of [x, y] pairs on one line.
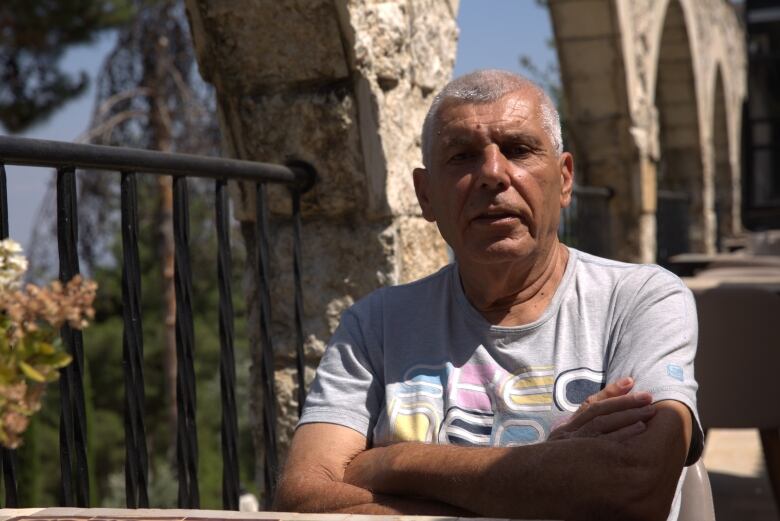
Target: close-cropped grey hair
[[487, 86]]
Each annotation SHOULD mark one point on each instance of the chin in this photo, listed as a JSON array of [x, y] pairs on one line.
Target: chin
[[501, 252]]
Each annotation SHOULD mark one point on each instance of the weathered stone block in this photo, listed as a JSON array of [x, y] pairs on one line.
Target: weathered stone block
[[588, 59], [256, 45], [325, 134], [434, 37], [584, 19]]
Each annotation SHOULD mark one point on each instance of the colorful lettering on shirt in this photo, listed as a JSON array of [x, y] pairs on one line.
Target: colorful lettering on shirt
[[481, 403]]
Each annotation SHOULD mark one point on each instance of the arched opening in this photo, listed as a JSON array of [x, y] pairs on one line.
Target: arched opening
[[725, 207], [680, 213]]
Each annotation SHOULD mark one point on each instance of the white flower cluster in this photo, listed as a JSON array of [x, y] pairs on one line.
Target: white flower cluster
[[13, 265]]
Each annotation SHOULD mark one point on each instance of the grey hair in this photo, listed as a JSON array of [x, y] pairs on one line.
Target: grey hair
[[487, 86]]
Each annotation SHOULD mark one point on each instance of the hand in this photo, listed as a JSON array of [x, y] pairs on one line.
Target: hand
[[612, 413]]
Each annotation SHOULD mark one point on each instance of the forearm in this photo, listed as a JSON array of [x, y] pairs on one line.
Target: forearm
[[316, 492], [323, 494], [586, 478], [519, 482]]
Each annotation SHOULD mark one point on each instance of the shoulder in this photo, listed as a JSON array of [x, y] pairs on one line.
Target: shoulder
[[404, 299], [406, 295], [642, 298], [623, 279]]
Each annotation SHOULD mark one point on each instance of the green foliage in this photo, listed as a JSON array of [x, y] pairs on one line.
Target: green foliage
[[37, 356], [26, 366], [35, 34]]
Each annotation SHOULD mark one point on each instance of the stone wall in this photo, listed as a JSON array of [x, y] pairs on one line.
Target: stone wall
[[343, 85]]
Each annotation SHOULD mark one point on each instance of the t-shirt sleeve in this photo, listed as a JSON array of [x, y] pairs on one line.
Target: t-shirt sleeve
[[656, 345], [347, 390]]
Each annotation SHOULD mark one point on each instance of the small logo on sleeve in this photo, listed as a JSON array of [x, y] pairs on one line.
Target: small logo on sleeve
[[675, 371]]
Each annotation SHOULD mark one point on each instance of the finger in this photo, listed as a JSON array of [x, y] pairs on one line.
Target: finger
[[611, 390], [615, 421], [609, 406], [627, 432]]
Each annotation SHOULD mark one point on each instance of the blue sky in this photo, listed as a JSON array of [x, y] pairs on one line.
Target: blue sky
[[493, 34]]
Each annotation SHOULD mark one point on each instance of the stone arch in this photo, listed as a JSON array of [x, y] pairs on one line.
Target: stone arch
[[681, 209], [639, 81], [598, 117]]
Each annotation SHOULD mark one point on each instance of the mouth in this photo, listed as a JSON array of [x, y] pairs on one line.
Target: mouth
[[499, 216]]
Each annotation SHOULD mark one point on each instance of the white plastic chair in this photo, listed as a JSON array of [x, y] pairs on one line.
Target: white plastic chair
[[696, 501]]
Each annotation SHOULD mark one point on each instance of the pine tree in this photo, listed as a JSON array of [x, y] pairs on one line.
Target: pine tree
[[33, 37]]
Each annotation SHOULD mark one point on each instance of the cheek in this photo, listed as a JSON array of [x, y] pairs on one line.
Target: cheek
[[546, 189], [533, 189], [451, 196]]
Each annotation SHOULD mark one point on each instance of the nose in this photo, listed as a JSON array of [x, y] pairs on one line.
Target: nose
[[494, 174]]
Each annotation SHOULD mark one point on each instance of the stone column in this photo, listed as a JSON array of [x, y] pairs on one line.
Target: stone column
[[343, 85], [610, 148]]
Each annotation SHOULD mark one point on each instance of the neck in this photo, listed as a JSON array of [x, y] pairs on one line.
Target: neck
[[514, 293]]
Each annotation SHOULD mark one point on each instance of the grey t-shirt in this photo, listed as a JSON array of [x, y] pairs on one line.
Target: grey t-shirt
[[417, 362]]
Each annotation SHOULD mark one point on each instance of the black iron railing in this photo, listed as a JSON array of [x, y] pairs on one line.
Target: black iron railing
[[672, 225], [585, 224], [66, 158]]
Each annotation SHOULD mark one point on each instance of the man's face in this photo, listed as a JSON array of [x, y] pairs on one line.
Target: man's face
[[495, 185]]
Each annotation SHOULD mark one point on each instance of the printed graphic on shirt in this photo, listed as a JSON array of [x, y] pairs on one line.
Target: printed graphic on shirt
[[481, 404], [424, 380], [530, 389], [414, 422], [463, 427], [414, 415], [574, 386], [471, 386], [523, 431]]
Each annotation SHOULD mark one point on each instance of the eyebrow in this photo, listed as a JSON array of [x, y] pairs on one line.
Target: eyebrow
[[522, 137], [468, 138], [457, 140]]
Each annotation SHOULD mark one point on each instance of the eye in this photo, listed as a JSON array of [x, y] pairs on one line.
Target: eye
[[459, 157], [517, 151]]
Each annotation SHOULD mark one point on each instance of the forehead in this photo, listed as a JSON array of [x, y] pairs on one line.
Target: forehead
[[516, 112]]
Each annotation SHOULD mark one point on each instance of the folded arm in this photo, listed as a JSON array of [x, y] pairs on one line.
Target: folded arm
[[569, 478], [313, 478]]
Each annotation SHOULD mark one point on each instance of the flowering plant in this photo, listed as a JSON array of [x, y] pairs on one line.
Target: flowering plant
[[31, 351]]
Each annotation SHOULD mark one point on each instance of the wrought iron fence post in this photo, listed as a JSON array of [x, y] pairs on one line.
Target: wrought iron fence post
[[73, 419], [271, 467], [227, 363], [187, 436], [136, 457]]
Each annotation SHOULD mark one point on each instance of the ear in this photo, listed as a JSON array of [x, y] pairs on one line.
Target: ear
[[566, 167], [421, 178]]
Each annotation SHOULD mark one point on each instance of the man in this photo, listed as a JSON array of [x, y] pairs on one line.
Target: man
[[526, 368]]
